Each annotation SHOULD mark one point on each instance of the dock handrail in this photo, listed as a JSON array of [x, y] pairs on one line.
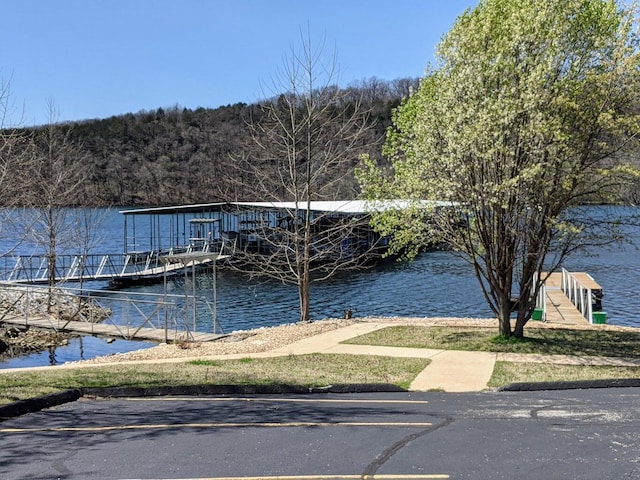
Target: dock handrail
[[33, 269], [579, 294], [541, 301], [123, 315]]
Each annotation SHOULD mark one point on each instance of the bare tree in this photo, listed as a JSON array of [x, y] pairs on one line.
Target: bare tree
[[306, 143], [56, 178], [15, 154], [88, 236]]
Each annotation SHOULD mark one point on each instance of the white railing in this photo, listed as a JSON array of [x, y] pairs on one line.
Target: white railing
[[541, 301], [74, 268], [33, 269], [580, 295], [126, 312]]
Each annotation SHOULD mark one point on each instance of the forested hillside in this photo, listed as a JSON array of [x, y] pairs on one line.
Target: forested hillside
[[177, 155]]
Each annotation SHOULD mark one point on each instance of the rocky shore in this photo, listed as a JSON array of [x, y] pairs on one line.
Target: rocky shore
[[15, 341], [248, 341], [268, 338], [26, 302]]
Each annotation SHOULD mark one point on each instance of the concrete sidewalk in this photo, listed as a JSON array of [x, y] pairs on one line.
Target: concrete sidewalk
[[449, 370]]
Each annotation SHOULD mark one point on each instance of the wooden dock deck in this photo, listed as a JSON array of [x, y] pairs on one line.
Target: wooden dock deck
[[110, 330], [559, 308]]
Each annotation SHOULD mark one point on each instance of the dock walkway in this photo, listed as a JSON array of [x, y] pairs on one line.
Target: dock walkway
[[559, 308], [117, 269], [110, 330]]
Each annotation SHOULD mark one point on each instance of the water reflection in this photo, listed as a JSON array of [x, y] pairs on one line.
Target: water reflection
[[79, 348]]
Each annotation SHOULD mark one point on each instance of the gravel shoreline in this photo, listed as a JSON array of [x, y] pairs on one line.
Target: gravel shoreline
[[257, 340], [263, 339], [268, 338]]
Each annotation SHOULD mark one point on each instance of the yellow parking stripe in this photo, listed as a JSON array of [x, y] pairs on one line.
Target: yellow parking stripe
[[271, 400], [427, 476], [218, 425]]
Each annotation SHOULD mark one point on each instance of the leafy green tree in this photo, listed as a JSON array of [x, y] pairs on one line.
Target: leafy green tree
[[527, 113]]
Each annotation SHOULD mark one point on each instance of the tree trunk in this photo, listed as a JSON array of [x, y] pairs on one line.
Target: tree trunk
[[303, 293], [525, 309], [51, 260], [518, 331], [504, 316], [304, 272]]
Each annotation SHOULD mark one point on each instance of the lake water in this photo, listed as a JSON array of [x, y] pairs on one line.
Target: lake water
[[435, 284]]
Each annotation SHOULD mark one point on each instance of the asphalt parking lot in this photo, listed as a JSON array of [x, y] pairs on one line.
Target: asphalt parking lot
[[578, 434]]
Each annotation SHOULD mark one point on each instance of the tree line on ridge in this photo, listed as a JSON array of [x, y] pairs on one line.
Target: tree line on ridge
[[177, 155]]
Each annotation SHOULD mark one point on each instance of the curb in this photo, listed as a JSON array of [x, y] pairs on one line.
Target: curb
[[119, 392], [573, 385], [32, 405]]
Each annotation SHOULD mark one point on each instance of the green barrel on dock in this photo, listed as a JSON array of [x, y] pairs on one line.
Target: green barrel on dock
[[537, 314], [599, 317]]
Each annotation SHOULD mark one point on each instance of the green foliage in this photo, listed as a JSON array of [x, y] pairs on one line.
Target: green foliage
[[529, 111]]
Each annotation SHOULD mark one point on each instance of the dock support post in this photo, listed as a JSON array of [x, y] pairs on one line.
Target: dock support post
[[193, 294], [215, 300], [164, 300], [186, 296]]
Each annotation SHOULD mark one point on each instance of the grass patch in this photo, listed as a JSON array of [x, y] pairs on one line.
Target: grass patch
[[205, 363], [505, 373], [504, 340], [308, 370], [548, 341], [318, 370]]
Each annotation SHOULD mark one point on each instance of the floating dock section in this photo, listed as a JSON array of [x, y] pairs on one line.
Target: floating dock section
[[572, 298]]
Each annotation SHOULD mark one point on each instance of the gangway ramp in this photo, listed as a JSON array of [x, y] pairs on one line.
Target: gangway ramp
[[569, 297], [128, 315], [117, 269], [112, 331]]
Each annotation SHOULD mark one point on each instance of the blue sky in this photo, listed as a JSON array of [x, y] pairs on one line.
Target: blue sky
[[98, 58]]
